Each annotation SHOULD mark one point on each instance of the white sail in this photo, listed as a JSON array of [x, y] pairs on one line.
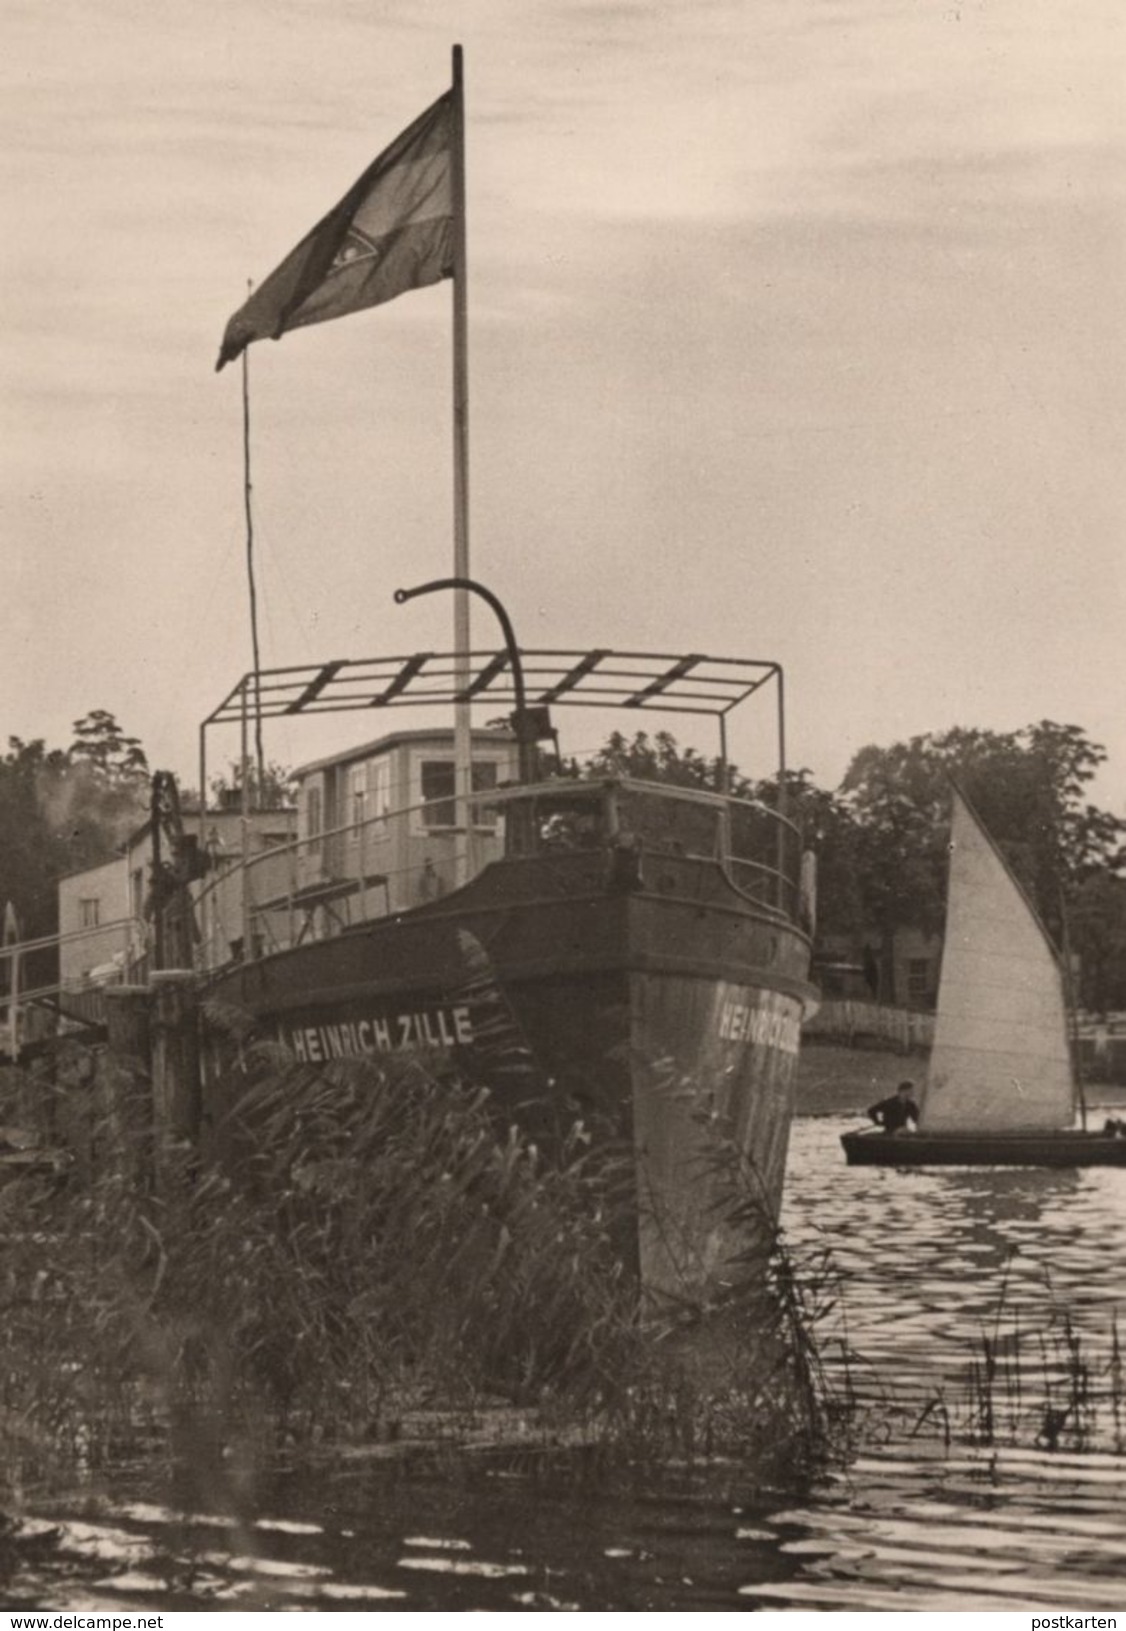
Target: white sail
[[1000, 1061]]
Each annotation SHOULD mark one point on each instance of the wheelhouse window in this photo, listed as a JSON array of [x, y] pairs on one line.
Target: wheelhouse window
[[439, 808], [675, 826], [569, 824], [554, 822]]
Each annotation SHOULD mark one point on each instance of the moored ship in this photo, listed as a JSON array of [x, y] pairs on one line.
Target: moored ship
[[624, 953], [639, 948]]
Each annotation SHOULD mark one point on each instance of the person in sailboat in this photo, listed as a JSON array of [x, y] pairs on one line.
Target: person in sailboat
[[895, 1113]]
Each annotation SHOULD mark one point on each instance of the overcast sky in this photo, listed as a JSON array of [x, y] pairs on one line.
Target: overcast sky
[[797, 331]]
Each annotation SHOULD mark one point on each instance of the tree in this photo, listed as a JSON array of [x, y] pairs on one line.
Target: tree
[[103, 792], [1097, 930], [660, 759], [32, 855], [62, 810], [1028, 787], [274, 789], [100, 744], [829, 829], [1084, 839], [825, 821]]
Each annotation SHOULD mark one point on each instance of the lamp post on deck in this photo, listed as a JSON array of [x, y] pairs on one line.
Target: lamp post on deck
[[525, 741]]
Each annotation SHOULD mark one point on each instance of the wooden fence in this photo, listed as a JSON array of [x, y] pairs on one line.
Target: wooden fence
[[858, 1023]]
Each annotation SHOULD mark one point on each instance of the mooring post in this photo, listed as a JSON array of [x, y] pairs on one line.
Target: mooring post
[[124, 1081], [128, 1036], [176, 1095]]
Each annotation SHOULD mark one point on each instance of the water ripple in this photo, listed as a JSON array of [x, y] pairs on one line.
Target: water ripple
[[935, 1273]]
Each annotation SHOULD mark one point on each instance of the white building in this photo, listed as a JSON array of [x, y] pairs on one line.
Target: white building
[[105, 922]]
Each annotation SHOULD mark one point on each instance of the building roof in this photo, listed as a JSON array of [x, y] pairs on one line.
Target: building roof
[[383, 744]]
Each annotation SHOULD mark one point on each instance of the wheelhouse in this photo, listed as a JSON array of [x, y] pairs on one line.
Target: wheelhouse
[[381, 828]]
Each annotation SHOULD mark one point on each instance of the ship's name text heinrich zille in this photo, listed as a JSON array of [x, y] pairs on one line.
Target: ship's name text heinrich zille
[[766, 1027], [389, 1033]]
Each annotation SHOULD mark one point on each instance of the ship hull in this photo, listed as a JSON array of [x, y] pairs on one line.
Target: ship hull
[[666, 1020], [1062, 1149]]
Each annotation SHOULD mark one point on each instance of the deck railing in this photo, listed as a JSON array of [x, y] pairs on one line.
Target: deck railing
[[326, 882], [336, 874]]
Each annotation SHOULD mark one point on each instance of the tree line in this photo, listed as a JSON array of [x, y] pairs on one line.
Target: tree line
[[64, 809]]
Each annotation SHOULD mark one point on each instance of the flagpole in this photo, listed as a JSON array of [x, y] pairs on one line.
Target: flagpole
[[247, 490], [463, 741]]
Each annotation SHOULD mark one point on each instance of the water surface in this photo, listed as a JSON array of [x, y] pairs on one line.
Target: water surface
[[929, 1264]]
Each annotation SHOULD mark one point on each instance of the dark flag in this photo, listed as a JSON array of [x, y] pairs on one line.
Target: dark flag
[[392, 231]]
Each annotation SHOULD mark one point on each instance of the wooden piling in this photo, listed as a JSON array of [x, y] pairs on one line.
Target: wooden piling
[[124, 1085], [176, 1094]]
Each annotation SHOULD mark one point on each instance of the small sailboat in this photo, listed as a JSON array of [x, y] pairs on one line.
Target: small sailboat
[[1001, 1087]]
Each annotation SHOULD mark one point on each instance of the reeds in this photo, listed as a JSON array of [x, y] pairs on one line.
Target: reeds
[[1046, 1385], [733, 1360], [369, 1244]]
